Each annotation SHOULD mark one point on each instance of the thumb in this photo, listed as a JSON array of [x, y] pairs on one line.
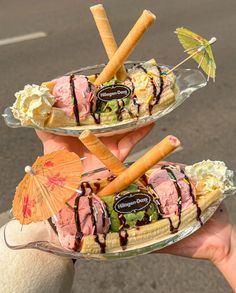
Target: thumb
[[44, 136]]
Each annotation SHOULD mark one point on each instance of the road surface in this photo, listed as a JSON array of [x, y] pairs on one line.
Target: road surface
[[40, 40]]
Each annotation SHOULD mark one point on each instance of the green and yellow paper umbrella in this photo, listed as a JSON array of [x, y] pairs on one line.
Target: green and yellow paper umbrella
[[199, 49]]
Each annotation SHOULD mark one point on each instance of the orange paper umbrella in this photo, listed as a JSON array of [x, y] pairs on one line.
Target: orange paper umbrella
[[47, 186]]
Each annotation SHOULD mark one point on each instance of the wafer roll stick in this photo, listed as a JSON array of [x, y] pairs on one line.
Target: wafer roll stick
[[127, 46], [107, 36], [96, 147], [137, 169]]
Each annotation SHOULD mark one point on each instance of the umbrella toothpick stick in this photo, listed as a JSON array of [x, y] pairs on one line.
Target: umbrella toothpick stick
[[30, 171], [211, 41]]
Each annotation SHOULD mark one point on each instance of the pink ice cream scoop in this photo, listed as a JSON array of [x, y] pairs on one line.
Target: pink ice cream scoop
[[89, 218], [75, 95], [173, 188]]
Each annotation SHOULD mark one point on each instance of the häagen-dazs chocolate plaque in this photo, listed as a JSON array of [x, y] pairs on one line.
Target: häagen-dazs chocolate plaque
[[132, 202], [113, 92]]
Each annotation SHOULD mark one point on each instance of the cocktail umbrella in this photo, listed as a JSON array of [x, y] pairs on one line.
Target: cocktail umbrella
[[48, 185], [199, 49]]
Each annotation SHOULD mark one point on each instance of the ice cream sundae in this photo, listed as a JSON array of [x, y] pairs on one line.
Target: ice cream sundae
[[141, 204], [107, 98], [138, 216]]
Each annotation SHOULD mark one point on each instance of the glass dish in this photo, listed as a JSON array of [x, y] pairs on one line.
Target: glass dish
[[187, 81], [48, 239]]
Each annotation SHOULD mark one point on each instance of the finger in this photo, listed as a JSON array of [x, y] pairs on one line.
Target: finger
[[44, 136], [129, 141], [52, 142]]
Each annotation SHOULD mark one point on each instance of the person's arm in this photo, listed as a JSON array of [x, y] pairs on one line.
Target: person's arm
[[227, 266]]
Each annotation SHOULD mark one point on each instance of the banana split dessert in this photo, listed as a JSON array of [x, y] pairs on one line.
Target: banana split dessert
[[174, 198], [137, 206], [74, 100], [116, 94]]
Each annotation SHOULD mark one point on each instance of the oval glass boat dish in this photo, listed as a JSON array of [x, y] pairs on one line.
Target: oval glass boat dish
[[187, 81], [47, 239]]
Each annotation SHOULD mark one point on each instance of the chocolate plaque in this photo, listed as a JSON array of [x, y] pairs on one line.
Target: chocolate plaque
[[132, 202], [113, 92]]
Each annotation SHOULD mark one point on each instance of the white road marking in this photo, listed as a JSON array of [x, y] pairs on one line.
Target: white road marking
[[22, 38]]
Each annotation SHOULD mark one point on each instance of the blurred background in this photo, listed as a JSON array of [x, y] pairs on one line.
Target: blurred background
[[205, 123]]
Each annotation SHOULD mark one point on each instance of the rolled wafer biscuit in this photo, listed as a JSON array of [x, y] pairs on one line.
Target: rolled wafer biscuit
[[127, 46], [149, 234], [146, 162], [107, 36], [96, 147]]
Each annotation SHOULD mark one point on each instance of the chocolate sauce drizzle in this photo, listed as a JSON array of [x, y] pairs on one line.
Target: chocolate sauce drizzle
[[172, 176], [97, 186], [155, 197], [96, 117], [101, 244], [156, 96], [75, 103], [79, 234], [179, 203], [145, 180], [89, 84], [145, 220], [121, 108], [161, 86], [136, 104], [199, 211], [111, 178], [172, 228], [141, 67], [123, 234], [130, 79], [134, 97]]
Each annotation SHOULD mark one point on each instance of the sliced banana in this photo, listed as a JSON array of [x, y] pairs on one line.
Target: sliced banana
[[150, 233]]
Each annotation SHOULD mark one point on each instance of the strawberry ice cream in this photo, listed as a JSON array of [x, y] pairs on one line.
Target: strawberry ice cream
[[75, 95], [174, 190], [85, 215]]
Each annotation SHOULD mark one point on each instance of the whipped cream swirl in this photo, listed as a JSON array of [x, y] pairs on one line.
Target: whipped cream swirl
[[211, 175], [33, 105]]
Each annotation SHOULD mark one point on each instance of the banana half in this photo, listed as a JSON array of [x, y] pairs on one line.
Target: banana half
[[148, 234], [143, 86]]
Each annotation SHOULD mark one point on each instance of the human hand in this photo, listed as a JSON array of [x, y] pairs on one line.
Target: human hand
[[211, 242], [120, 145], [215, 241]]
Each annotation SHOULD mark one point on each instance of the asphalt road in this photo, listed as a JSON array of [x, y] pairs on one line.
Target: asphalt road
[[205, 123]]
